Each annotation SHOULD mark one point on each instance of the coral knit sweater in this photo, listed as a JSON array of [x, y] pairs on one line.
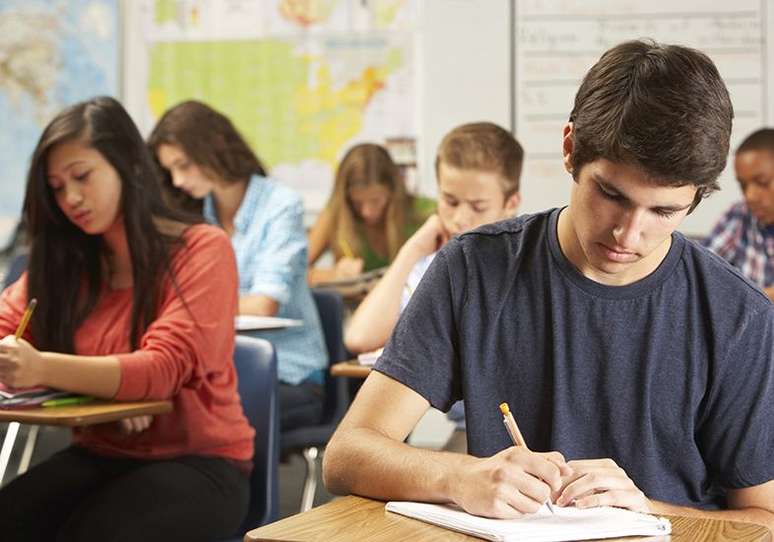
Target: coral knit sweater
[[185, 356]]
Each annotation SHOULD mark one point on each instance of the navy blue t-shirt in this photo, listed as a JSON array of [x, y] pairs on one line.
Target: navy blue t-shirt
[[671, 376]]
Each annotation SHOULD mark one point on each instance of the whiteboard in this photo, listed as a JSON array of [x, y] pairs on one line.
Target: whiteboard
[[555, 42]]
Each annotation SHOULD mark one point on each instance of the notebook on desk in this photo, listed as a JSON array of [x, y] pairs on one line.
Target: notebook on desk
[[364, 280], [567, 523], [249, 322]]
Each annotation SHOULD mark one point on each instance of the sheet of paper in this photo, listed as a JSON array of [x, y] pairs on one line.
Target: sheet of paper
[[248, 322], [369, 358], [567, 523]]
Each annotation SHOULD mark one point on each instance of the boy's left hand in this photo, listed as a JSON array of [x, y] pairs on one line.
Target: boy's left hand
[[601, 482], [20, 363]]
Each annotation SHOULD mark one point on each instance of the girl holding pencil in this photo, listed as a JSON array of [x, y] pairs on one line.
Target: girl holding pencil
[[134, 302], [368, 217]]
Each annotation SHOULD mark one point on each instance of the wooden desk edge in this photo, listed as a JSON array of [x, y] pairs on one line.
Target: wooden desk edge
[[350, 369], [294, 527], [83, 415]]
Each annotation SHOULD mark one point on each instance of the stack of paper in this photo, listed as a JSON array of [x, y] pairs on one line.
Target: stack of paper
[[27, 397], [567, 523], [369, 358]]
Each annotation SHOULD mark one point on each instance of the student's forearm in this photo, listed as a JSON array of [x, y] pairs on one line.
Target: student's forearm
[[758, 516], [258, 305], [364, 462], [376, 316], [99, 376]]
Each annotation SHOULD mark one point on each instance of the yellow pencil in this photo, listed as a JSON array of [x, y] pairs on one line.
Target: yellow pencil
[[516, 437], [25, 318], [345, 248]]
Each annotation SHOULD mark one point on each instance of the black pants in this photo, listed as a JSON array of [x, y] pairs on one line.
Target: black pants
[[76, 495], [300, 405]]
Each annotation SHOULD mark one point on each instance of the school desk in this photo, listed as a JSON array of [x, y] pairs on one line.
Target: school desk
[[359, 519], [351, 369], [70, 416]]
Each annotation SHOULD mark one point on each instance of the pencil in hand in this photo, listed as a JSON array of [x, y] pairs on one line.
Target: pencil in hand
[[516, 436], [25, 318]]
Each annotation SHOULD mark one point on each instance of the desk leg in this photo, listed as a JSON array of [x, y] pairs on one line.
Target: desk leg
[[29, 447], [5, 453], [310, 483]]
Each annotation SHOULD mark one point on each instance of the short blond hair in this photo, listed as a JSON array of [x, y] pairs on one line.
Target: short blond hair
[[483, 146]]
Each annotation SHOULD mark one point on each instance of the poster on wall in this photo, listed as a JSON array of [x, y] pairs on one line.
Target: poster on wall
[[302, 80], [53, 53]]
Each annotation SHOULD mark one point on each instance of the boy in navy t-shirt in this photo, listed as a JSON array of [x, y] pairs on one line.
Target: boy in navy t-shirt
[[638, 364]]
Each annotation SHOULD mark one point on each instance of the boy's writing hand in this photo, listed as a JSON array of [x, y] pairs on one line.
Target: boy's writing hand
[[511, 483], [20, 365], [601, 482], [430, 237]]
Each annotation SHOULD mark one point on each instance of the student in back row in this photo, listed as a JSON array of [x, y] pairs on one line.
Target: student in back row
[[368, 217], [203, 156], [478, 167], [133, 303], [744, 236], [638, 365]]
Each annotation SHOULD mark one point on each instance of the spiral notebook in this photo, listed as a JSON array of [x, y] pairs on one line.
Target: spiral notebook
[[567, 523]]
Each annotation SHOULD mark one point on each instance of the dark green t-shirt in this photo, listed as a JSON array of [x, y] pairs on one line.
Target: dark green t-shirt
[[422, 208]]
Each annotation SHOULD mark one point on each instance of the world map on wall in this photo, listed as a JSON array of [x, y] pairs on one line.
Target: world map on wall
[[302, 80], [52, 54]]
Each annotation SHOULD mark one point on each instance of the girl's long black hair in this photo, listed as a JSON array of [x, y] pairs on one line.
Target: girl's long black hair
[[66, 271]]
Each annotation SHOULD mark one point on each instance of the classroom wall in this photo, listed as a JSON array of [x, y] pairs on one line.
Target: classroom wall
[[468, 48], [464, 71]]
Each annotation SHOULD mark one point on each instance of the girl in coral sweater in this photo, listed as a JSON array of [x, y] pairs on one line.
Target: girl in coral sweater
[[134, 302]]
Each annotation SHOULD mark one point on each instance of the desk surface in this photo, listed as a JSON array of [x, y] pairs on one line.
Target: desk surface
[[356, 519], [88, 414], [350, 368]]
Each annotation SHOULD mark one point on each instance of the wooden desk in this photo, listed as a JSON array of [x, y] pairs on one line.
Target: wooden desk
[[358, 519], [87, 414], [351, 369], [70, 416]]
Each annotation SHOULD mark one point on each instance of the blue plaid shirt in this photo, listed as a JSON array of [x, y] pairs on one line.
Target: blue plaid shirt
[[270, 246], [745, 243]]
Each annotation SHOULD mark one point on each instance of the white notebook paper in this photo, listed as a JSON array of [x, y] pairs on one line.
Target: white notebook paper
[[369, 358], [568, 523], [248, 322]]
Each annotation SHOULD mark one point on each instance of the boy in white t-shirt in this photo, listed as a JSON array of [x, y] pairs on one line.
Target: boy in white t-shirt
[[478, 166]]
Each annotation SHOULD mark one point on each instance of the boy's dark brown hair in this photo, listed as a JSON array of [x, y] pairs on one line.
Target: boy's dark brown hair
[[662, 108], [483, 146]]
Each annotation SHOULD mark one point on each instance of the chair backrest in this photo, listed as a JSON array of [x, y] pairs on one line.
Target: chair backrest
[[15, 269], [256, 365], [330, 307]]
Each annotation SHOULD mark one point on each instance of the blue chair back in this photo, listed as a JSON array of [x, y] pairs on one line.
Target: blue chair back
[[256, 366], [331, 310], [330, 307]]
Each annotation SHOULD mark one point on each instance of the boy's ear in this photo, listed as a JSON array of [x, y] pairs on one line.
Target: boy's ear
[[568, 143], [512, 204]]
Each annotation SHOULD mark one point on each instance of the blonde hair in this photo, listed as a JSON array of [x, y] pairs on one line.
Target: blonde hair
[[483, 146], [365, 165]]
